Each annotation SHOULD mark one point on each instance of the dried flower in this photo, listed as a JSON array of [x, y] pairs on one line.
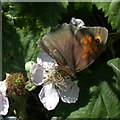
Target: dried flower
[[15, 84]]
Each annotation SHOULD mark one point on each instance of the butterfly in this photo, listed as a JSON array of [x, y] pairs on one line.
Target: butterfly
[[74, 49]]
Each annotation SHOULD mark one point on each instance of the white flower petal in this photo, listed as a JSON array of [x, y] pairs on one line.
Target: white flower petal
[[77, 22], [37, 74], [49, 97], [11, 118], [7, 75], [3, 88], [4, 105], [71, 94], [45, 60], [39, 60]]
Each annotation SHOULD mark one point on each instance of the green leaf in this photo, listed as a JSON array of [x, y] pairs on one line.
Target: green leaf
[[87, 6], [112, 11], [104, 104], [110, 101], [45, 14], [19, 46], [115, 64]]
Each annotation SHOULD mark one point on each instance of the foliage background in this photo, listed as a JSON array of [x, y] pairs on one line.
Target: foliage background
[[24, 23]]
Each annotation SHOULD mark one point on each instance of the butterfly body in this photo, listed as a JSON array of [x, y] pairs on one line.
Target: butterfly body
[[74, 49]]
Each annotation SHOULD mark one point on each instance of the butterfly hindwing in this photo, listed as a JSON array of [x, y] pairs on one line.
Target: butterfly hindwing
[[89, 42]]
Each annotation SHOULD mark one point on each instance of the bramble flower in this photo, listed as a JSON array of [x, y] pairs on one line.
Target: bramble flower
[[77, 22], [56, 83], [4, 103]]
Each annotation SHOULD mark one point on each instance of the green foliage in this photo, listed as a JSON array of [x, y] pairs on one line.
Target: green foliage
[[41, 14], [115, 64], [24, 23], [111, 10], [24, 27], [85, 6], [104, 104]]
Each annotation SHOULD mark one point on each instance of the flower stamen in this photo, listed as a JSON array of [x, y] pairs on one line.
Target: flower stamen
[[57, 77]]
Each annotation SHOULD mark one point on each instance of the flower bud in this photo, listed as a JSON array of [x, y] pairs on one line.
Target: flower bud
[[29, 65]]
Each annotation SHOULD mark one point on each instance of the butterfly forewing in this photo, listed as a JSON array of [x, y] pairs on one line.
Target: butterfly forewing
[[60, 43], [89, 42]]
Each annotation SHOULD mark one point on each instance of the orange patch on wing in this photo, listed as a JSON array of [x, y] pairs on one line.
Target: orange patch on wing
[[91, 51], [86, 48], [90, 39], [70, 73], [84, 56], [84, 40], [54, 50]]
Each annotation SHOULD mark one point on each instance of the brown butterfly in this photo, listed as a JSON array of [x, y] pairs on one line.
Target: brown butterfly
[[74, 49]]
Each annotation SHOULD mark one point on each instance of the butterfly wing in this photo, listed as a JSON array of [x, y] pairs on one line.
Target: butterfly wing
[[59, 44], [89, 42], [74, 49]]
